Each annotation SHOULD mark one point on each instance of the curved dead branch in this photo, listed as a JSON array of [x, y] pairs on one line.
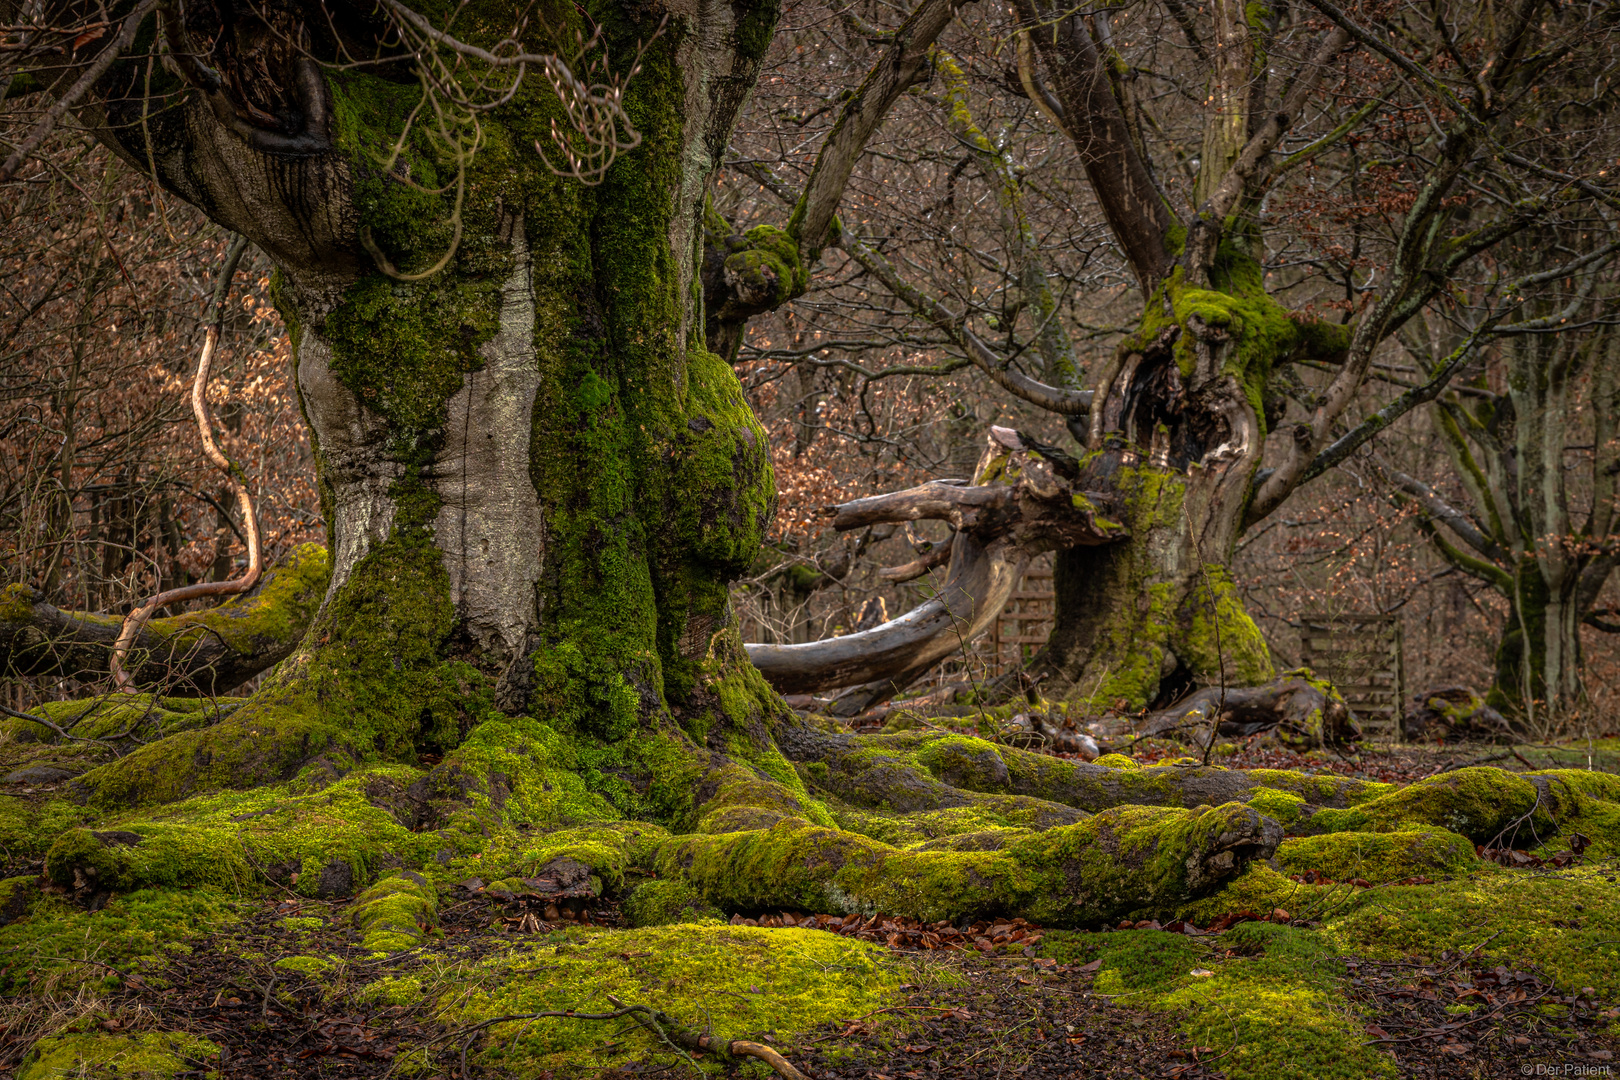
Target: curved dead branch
[[233, 476], [977, 586], [1026, 498]]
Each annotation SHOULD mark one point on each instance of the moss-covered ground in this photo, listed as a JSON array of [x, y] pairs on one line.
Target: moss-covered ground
[[1277, 998], [379, 917], [170, 982]]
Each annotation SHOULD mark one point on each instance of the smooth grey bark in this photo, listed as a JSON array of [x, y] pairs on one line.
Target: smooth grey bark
[[490, 525]]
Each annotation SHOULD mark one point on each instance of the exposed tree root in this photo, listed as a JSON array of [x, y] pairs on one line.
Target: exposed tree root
[[1299, 707], [925, 824]]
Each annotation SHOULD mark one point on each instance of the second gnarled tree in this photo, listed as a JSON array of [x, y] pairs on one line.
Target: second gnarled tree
[[1203, 395]]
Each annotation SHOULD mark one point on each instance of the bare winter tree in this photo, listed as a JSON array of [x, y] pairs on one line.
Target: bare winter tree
[[1536, 461]]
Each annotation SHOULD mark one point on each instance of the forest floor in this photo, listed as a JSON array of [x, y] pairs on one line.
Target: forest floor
[[1505, 970]]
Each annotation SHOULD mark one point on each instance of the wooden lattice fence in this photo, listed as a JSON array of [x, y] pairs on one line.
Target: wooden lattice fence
[[1025, 622], [1362, 654]]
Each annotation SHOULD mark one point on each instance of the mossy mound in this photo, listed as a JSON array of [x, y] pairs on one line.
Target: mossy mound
[[1280, 1008], [1274, 1009], [149, 1056], [397, 913], [737, 979], [29, 826], [1476, 802], [1125, 861], [1561, 922], [1379, 857], [661, 903], [1283, 806], [330, 842]]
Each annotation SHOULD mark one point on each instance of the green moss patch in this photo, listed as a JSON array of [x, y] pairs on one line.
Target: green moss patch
[[1261, 890], [1283, 806], [1133, 861], [1564, 923], [1272, 1008], [29, 826], [151, 1056], [660, 903], [311, 967], [1476, 802], [746, 982], [324, 843], [58, 944], [1130, 961], [1280, 1009]]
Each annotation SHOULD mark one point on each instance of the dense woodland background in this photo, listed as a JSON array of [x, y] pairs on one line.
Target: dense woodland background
[[105, 496]]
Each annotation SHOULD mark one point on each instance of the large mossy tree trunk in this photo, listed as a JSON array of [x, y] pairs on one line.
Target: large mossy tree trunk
[[1160, 609], [536, 480]]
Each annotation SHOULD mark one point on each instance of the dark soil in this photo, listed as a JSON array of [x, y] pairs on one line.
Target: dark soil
[[1011, 1020], [1514, 1019]]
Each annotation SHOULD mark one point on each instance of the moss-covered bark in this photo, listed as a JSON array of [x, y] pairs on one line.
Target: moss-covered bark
[[1183, 412]]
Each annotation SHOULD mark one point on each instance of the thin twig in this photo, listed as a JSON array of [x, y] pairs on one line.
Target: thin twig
[[92, 74]]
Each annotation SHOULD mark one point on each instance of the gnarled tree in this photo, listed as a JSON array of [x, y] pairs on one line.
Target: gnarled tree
[[1213, 405]]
